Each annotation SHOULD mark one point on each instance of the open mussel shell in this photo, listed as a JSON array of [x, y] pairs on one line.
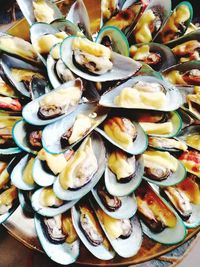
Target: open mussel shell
[[181, 200], [79, 16], [182, 27], [60, 253], [188, 132], [161, 11], [99, 152], [20, 137], [17, 175], [40, 175], [25, 202], [51, 67], [38, 30], [124, 247], [51, 137], [173, 178], [173, 96], [169, 236], [127, 209], [167, 58], [115, 39], [116, 188], [166, 144], [195, 35], [30, 111], [100, 251], [27, 9], [176, 121], [139, 145], [123, 67], [66, 26], [8, 63], [6, 124], [18, 47], [49, 211], [183, 68]]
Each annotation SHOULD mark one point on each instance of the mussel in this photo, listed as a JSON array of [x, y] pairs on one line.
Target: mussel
[[112, 203], [169, 144], [121, 130], [176, 24], [123, 166], [80, 168], [159, 165], [151, 209]]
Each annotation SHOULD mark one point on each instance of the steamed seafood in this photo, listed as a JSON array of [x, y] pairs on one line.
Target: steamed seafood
[[159, 165], [152, 210], [58, 102], [143, 95], [92, 57], [121, 130], [49, 199], [187, 51], [167, 143], [191, 161], [144, 54], [43, 11], [122, 165], [80, 168]]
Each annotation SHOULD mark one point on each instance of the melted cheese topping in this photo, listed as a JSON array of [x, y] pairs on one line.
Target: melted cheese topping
[[25, 75], [49, 199], [140, 53], [178, 17], [27, 173], [6, 89], [81, 125], [142, 30], [153, 207], [193, 140], [193, 99], [157, 128], [112, 226], [56, 163], [62, 97], [175, 77], [7, 198], [80, 167], [160, 160], [4, 176], [141, 95], [44, 44], [117, 132], [18, 46], [120, 165], [43, 12], [108, 7], [68, 229], [166, 142], [91, 48]]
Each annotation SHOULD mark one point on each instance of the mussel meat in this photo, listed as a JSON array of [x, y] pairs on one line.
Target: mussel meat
[[121, 130], [49, 199], [159, 165], [191, 161], [7, 199], [115, 228], [187, 51], [112, 203], [80, 168], [91, 57], [142, 94], [152, 210], [144, 54], [167, 143], [58, 102], [81, 126], [122, 166]]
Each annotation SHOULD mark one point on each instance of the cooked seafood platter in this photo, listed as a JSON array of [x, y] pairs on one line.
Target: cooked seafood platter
[[100, 128]]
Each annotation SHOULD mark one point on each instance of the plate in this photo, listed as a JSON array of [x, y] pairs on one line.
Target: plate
[[22, 228]]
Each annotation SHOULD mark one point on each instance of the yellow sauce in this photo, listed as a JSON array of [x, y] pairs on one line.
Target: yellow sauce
[[193, 140]]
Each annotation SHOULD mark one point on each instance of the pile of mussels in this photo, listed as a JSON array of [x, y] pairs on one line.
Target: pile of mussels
[[99, 132]]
